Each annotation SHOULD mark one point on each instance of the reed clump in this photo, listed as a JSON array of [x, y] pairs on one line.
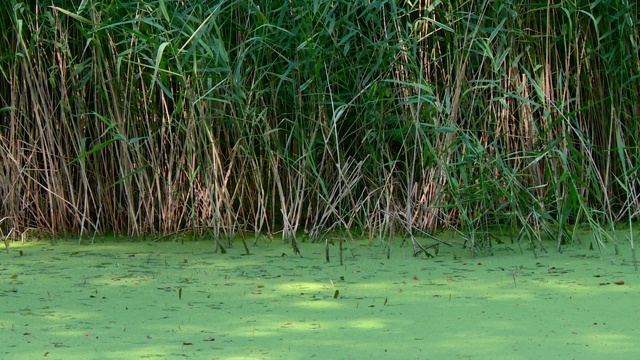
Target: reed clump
[[372, 117]]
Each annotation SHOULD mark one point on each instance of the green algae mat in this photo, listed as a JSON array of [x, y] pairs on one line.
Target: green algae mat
[[172, 300]]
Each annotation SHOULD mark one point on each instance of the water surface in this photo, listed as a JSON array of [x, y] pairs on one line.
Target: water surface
[[171, 300]]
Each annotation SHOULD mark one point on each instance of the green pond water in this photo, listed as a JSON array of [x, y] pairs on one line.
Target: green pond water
[[174, 300]]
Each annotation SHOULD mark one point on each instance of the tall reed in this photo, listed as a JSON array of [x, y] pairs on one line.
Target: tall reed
[[378, 118]]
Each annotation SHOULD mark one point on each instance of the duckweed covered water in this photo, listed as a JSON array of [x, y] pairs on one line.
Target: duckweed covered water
[[171, 300]]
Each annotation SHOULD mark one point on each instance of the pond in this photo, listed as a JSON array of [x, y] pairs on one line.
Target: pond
[[167, 300]]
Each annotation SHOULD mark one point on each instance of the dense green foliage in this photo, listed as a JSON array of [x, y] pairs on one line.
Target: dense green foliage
[[375, 117]]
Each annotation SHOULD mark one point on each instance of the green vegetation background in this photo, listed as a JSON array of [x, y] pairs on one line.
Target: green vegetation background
[[375, 117]]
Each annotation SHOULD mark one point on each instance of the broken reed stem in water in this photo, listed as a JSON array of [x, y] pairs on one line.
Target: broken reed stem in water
[[326, 249], [340, 241]]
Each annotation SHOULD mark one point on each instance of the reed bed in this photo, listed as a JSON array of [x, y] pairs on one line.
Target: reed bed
[[369, 118]]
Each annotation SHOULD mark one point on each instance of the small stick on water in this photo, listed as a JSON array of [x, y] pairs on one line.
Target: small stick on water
[[326, 249], [340, 240]]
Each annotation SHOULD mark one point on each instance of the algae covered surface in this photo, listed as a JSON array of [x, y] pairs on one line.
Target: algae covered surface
[[173, 300]]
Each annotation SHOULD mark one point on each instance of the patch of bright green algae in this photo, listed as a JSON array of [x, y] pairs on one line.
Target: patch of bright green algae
[[166, 300]]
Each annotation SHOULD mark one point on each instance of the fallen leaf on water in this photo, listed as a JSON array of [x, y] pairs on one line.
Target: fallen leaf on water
[[621, 282], [115, 279], [256, 292], [209, 339], [187, 343]]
